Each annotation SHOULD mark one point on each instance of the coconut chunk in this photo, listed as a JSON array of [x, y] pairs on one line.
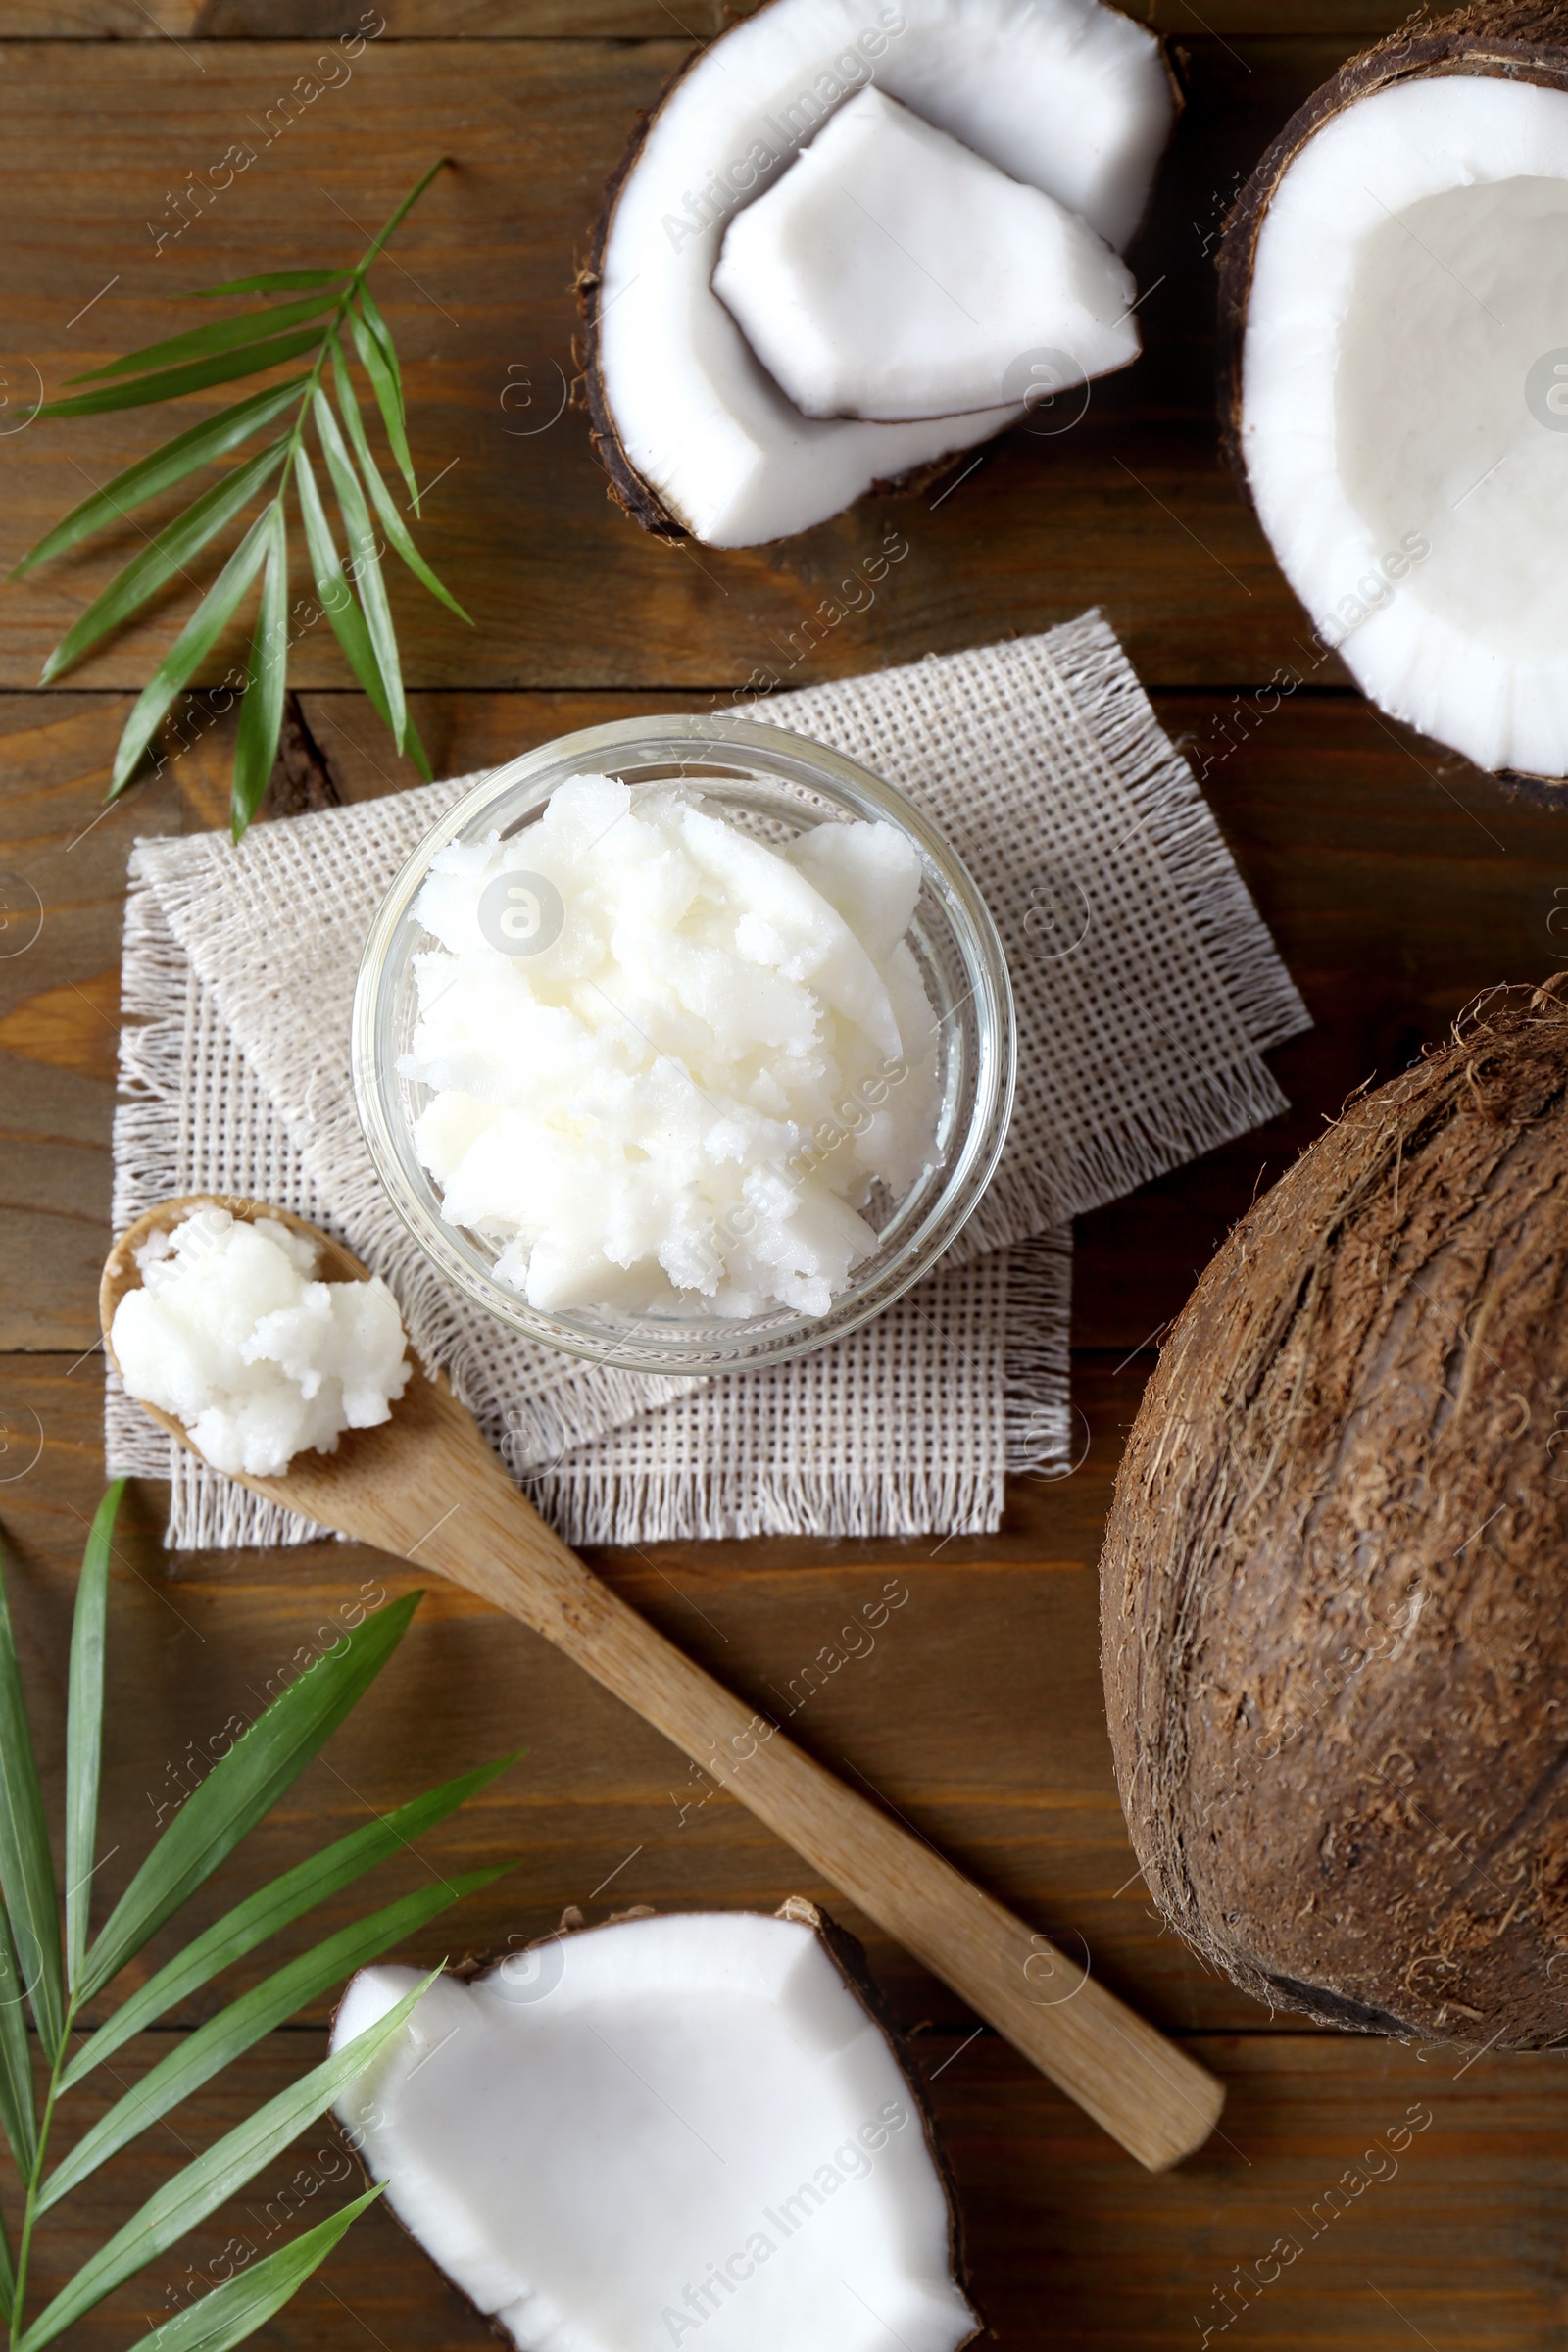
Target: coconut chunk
[[1401, 388], [662, 2131], [890, 273], [1063, 95]]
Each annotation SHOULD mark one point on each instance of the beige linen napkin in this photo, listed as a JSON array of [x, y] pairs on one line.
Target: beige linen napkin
[[1148, 990]]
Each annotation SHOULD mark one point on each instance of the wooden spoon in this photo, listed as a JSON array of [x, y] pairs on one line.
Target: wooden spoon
[[425, 1485]]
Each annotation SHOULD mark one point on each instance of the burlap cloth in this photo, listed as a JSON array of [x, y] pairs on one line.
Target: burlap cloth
[[1148, 990]]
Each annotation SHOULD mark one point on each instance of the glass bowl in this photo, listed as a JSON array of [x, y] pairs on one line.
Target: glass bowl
[[774, 784]]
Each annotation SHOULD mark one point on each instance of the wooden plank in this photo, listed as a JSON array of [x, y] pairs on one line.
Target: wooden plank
[[1353, 20], [1131, 509], [1386, 2186]]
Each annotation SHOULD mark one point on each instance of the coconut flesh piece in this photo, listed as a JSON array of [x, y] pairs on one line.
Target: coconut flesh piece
[[658, 2132], [1397, 421], [890, 273], [1065, 95]]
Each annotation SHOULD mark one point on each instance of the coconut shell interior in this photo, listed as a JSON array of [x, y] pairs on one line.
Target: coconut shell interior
[[1522, 40]]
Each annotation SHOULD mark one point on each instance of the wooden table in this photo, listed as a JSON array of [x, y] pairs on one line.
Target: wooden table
[[1397, 883]]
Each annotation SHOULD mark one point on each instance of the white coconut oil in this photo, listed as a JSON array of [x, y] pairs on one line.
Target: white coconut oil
[[232, 1335], [671, 1063]]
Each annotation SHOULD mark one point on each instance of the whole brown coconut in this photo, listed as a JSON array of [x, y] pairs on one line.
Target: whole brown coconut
[[1335, 1583]]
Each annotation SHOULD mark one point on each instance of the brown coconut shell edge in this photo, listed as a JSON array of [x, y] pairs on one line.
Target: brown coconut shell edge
[[628, 489], [1436, 1905], [847, 1956]]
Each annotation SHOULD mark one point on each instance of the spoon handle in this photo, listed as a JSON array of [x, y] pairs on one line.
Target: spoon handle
[[1142, 2090]]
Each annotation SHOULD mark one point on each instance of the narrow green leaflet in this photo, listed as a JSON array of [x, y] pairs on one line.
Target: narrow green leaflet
[[272, 282], [275, 1907], [166, 554], [247, 2301], [27, 1867], [338, 601], [8, 2275], [201, 446], [191, 647], [383, 336], [170, 382], [261, 717], [241, 1788], [84, 1725], [203, 2185], [397, 530], [17, 2112], [223, 334], [367, 557], [389, 398], [201, 2055]]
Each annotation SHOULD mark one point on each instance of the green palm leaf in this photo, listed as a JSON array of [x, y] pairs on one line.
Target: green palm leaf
[[27, 1867], [200, 2188], [392, 522], [328, 302], [241, 1788], [383, 336], [366, 562], [275, 1907], [192, 646], [243, 2304], [215, 438], [400, 216], [164, 557], [247, 1782], [389, 397], [223, 334], [261, 712], [17, 2110], [84, 1725], [341, 609], [223, 2039], [170, 383], [272, 282]]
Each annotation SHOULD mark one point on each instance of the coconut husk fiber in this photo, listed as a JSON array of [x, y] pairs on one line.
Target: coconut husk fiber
[[1334, 1581]]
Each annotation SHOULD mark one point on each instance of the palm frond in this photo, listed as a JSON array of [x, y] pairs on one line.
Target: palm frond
[[332, 309], [260, 1766]]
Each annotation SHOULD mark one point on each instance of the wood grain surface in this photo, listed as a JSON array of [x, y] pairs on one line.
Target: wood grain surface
[[1396, 881]]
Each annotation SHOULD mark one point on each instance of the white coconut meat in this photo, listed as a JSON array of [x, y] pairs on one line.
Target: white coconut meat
[[890, 273], [1065, 95], [663, 2131], [1402, 406]]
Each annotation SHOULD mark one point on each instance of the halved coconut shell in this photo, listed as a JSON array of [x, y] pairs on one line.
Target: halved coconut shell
[[665, 2126], [1065, 95], [1389, 287]]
